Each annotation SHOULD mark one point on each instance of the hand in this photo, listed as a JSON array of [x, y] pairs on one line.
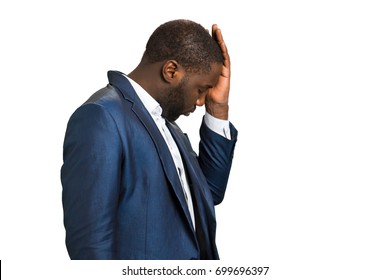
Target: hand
[[217, 99]]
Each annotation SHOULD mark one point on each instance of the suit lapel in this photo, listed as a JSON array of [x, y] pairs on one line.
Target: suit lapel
[[191, 163], [203, 202], [122, 84]]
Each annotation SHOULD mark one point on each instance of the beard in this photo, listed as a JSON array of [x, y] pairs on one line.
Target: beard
[[173, 104]]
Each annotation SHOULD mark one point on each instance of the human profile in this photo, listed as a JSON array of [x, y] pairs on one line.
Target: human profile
[[133, 187]]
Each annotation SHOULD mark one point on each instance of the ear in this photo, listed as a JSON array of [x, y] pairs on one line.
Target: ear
[[172, 72]]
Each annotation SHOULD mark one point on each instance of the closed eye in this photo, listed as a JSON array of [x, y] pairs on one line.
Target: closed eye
[[203, 90]]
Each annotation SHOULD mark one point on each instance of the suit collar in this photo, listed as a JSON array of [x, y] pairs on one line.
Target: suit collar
[[117, 80]]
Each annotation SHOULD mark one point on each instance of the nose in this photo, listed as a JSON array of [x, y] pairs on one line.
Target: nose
[[201, 100]]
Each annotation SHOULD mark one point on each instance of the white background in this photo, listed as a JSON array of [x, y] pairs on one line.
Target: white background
[[308, 193]]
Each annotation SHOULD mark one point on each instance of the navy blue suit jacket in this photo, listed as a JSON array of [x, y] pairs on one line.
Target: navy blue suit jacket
[[122, 198]]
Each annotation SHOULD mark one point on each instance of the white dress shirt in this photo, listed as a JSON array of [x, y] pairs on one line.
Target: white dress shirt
[[153, 107]]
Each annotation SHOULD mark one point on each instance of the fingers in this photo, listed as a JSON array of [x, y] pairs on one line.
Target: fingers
[[217, 35]]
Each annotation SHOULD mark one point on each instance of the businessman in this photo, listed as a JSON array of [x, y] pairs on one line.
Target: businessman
[[133, 188]]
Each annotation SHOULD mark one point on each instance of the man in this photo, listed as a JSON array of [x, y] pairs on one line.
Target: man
[[133, 188]]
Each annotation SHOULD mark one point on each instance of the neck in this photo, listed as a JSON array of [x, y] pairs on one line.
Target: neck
[[148, 78]]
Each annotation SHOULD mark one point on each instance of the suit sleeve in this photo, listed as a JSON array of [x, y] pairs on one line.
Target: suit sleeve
[[90, 178], [215, 159]]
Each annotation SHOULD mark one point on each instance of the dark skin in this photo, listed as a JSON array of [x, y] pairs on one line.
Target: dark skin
[[179, 92]]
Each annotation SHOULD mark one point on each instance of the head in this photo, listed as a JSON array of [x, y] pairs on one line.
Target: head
[[182, 62]]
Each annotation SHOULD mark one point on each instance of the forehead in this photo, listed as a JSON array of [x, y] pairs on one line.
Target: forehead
[[206, 79]]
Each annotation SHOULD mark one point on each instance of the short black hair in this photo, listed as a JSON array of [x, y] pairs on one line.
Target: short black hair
[[185, 41]]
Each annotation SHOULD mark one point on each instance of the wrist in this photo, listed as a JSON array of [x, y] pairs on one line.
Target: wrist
[[219, 111]]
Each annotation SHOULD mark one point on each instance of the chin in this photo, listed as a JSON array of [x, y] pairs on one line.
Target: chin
[[172, 119]]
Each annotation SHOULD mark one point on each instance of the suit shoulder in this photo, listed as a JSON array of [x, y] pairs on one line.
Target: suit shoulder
[[104, 96], [109, 99]]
